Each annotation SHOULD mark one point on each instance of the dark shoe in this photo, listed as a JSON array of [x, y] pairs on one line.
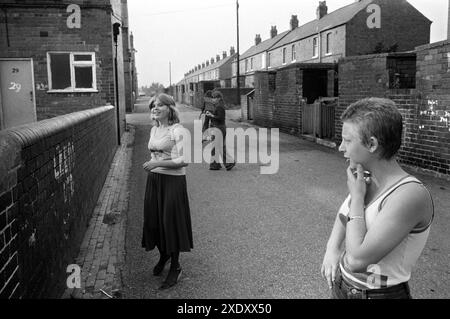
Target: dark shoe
[[215, 167], [172, 278], [230, 166], [157, 270]]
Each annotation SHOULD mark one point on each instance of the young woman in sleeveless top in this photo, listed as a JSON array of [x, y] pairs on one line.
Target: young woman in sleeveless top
[[383, 225], [167, 219]]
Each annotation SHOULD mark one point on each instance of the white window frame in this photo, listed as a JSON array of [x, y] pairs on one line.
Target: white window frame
[[251, 64], [315, 47], [293, 54], [328, 44], [73, 64], [269, 63], [246, 65], [283, 52], [263, 60]]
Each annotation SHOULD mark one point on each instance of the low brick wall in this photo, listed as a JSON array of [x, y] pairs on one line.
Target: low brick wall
[[425, 109], [51, 174]]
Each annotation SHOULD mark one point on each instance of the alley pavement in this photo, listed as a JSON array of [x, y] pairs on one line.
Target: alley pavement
[[255, 236]]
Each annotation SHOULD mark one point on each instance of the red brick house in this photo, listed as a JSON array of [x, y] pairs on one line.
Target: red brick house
[[363, 27], [63, 53]]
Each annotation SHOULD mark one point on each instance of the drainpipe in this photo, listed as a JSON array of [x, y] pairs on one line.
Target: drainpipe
[[6, 26], [116, 31]]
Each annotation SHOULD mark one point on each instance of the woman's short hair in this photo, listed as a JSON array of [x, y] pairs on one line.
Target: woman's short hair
[[379, 118], [208, 93], [167, 100]]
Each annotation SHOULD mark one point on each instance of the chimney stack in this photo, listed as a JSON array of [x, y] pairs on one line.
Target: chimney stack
[[273, 32], [207, 63], [224, 54], [322, 10], [203, 65], [217, 58], [232, 51], [257, 39], [294, 22], [212, 61]]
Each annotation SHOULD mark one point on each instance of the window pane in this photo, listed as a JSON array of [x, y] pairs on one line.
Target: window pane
[[83, 78], [83, 57], [60, 71]]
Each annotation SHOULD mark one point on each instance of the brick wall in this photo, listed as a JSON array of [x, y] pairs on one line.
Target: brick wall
[[279, 95], [401, 24], [360, 77], [277, 99], [426, 109], [51, 174], [26, 28], [432, 143]]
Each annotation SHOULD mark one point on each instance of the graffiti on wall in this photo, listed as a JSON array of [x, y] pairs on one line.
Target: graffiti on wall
[[63, 164], [431, 111]]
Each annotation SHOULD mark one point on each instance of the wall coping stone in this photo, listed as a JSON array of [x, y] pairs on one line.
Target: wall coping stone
[[433, 45], [28, 134]]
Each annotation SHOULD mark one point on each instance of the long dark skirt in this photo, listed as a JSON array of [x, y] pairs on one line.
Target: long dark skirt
[[167, 217]]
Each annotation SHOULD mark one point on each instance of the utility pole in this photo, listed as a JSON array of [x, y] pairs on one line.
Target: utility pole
[[170, 74], [238, 75]]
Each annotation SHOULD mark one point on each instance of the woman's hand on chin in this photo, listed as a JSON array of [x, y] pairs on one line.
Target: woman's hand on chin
[[356, 183]]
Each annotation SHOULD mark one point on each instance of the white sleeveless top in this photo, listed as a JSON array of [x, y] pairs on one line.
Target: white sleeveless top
[[163, 146], [395, 267]]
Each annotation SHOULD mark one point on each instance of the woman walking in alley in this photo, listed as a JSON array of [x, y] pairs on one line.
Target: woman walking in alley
[[385, 221], [167, 220]]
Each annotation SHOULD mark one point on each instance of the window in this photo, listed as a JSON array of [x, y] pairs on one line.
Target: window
[[284, 55], [251, 64], [71, 72], [294, 54], [315, 48], [328, 43], [246, 65], [268, 60]]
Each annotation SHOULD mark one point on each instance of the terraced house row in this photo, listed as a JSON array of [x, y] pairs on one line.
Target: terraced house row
[[363, 27], [302, 79]]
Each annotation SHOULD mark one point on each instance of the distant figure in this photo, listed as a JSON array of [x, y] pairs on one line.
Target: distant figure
[[167, 219], [217, 118], [206, 120], [385, 221]]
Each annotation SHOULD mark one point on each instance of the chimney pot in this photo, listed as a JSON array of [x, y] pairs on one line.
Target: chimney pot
[[322, 9], [224, 54], [273, 32], [294, 22], [257, 39], [232, 51]]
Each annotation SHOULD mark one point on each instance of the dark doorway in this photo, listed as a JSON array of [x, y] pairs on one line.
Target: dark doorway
[[315, 84]]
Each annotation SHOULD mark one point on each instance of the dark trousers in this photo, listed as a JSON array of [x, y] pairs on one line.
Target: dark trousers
[[344, 290], [224, 154]]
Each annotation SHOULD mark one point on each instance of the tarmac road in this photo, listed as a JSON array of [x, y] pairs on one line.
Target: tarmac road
[[263, 236]]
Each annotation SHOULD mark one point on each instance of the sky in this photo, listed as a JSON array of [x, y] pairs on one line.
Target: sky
[[173, 36]]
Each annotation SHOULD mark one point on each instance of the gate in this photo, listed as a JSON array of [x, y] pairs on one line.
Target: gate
[[318, 118]]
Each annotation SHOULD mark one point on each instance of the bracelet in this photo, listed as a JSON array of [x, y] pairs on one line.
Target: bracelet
[[349, 219]]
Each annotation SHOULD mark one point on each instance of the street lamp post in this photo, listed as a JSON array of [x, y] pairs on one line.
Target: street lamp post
[[238, 75]]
